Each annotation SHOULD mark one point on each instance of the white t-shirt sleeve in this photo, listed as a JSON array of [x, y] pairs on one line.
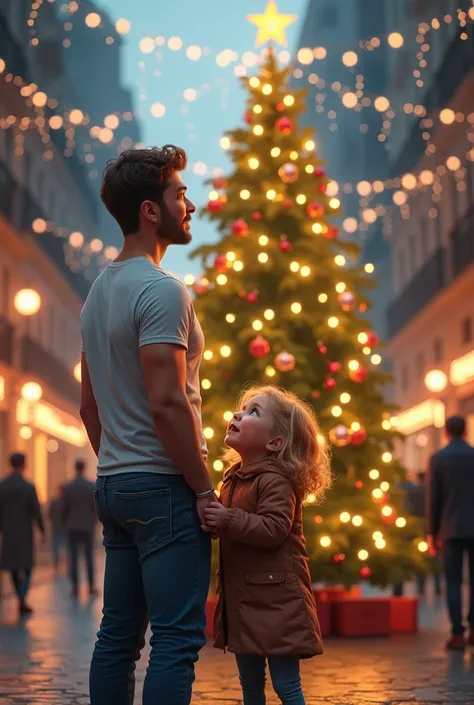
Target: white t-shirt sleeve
[[164, 313]]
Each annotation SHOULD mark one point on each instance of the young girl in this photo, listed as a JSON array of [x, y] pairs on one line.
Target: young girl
[[266, 610]]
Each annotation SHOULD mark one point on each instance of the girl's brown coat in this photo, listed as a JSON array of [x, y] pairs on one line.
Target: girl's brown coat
[[266, 605]]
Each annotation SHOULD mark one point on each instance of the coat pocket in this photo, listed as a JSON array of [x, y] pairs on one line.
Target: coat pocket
[[269, 578]]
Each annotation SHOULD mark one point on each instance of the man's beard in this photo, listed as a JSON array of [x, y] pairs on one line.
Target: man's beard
[[171, 229]]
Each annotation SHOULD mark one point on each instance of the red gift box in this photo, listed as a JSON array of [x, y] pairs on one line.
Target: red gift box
[[323, 608], [211, 605], [336, 593], [361, 617], [403, 615]]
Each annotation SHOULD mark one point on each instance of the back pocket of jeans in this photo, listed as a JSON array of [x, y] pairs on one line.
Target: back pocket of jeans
[[147, 515]]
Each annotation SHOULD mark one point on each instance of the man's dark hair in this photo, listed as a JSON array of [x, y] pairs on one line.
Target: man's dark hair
[[17, 461], [455, 426], [138, 175], [80, 465]]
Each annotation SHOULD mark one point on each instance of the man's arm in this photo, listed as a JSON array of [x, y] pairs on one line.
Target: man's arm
[[89, 411], [164, 369], [35, 509]]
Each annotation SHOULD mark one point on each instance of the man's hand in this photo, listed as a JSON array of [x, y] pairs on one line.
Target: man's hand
[[215, 515], [433, 546], [202, 503]]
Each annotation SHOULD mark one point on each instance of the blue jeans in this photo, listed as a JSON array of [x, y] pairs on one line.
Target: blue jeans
[[285, 675], [157, 571], [21, 580], [454, 551], [84, 540], [57, 543]]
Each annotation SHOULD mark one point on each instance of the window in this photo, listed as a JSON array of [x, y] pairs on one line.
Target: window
[[405, 377], [420, 363], [438, 350], [466, 330]]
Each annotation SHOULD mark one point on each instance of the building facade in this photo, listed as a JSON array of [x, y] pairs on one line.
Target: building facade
[[348, 138], [39, 353], [431, 317]]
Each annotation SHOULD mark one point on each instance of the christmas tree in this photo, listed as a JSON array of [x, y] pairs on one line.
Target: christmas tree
[[282, 300]]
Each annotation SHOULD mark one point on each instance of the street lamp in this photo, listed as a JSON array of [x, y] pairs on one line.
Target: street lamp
[[31, 392], [27, 302], [78, 372], [436, 381]]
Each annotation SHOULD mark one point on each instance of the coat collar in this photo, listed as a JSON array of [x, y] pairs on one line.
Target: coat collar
[[251, 470]]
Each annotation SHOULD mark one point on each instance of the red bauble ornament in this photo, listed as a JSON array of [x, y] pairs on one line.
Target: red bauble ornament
[[334, 367], [200, 286], [252, 297], [219, 183], [331, 233], [315, 209], [259, 347], [322, 188], [329, 383], [372, 339], [284, 125], [362, 307], [240, 228], [248, 117], [315, 394], [359, 375], [359, 484], [365, 572], [214, 206], [319, 172], [285, 245], [256, 215], [280, 107], [322, 347], [359, 437], [347, 300], [287, 203], [284, 362], [220, 263]]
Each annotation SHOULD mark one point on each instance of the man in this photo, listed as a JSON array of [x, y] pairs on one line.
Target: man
[[55, 515], [79, 520], [451, 522], [416, 504], [141, 406], [19, 510]]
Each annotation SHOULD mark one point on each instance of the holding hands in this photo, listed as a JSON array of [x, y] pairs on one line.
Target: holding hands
[[215, 514]]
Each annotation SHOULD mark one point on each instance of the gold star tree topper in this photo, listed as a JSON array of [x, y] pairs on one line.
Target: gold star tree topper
[[271, 25]]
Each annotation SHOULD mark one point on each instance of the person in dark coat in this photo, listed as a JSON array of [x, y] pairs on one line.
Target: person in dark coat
[[57, 528], [79, 520], [19, 511], [416, 504], [451, 522]]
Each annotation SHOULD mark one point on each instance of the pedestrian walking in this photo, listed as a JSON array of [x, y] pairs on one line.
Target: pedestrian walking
[[19, 512], [266, 609], [141, 406], [79, 521], [451, 523], [55, 515], [416, 504]]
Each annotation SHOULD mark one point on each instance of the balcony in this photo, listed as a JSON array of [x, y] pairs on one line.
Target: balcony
[[6, 341], [21, 210], [424, 286], [458, 62], [37, 361], [462, 243]]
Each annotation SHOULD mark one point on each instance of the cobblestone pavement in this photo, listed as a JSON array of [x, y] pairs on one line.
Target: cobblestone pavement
[[44, 661]]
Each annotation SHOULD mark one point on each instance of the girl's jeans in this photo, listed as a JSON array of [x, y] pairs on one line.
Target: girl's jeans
[[285, 675]]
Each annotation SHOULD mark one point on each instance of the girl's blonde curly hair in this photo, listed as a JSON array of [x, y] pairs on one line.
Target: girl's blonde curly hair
[[305, 455]]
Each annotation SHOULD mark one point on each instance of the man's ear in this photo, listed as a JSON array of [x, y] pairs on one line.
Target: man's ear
[[150, 211], [275, 445]]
